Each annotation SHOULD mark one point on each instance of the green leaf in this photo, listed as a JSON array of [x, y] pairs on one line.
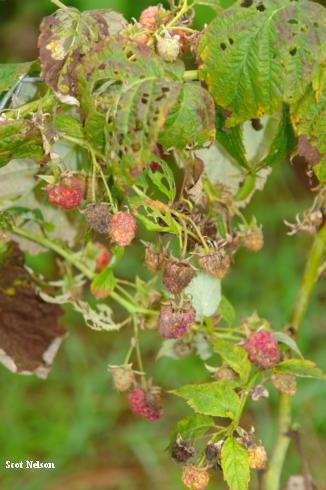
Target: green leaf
[[235, 356], [255, 59], [10, 73], [226, 311], [231, 139], [164, 174], [205, 291], [217, 399], [69, 124], [20, 139], [68, 35], [289, 341], [191, 123], [192, 427], [103, 284], [235, 465], [301, 368]]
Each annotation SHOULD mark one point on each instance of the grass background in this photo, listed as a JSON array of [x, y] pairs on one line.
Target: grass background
[[77, 421]]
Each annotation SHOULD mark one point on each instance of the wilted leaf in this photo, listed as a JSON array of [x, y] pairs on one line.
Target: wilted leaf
[[254, 59], [301, 368], [20, 139], [235, 465], [235, 356], [30, 334], [205, 291], [217, 399]]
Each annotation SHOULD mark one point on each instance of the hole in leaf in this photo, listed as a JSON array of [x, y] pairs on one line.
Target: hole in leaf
[[315, 24], [231, 41], [223, 46], [165, 89], [247, 3], [293, 51], [256, 124], [293, 21], [144, 100], [261, 8]]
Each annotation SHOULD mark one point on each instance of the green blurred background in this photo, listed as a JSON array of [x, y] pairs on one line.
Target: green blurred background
[[76, 420]]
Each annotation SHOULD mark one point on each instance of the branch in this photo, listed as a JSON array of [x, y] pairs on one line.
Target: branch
[[310, 277]]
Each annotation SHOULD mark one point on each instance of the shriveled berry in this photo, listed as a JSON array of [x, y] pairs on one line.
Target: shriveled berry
[[122, 377], [263, 349], [154, 259], [253, 240], [175, 321], [182, 451], [146, 404], [98, 216], [258, 392], [123, 229], [257, 457], [177, 275], [213, 451], [168, 47], [225, 373], [152, 17], [67, 194], [216, 263], [285, 383], [195, 478]]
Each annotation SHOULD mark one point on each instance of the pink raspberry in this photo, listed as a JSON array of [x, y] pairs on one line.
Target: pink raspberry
[[174, 321], [263, 349], [151, 17], [146, 404], [68, 194], [103, 260], [123, 229]]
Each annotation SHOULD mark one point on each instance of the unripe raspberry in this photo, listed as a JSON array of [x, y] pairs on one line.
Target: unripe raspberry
[[168, 47], [67, 194], [285, 383], [263, 349], [103, 259], [181, 451], [152, 17], [253, 240], [123, 229], [146, 404], [175, 321], [154, 259], [257, 457], [98, 216], [195, 478], [177, 275], [122, 377], [216, 263]]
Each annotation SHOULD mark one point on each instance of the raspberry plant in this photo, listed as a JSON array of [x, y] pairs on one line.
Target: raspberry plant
[[108, 143]]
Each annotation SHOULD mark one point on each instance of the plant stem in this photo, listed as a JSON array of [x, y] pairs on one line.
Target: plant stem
[[190, 75], [310, 277], [46, 102], [59, 4]]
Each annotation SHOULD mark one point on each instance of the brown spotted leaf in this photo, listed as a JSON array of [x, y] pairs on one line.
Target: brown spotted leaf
[[68, 35], [20, 139], [30, 334]]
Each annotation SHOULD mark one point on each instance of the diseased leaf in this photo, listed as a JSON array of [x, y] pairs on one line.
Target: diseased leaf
[[10, 73], [68, 35], [205, 291], [235, 465], [20, 139], [191, 123], [163, 178], [217, 399], [235, 356], [191, 427], [254, 59], [301, 368], [69, 124]]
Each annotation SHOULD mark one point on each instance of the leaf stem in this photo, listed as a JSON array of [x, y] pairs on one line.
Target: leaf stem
[[310, 277], [59, 4], [190, 75]]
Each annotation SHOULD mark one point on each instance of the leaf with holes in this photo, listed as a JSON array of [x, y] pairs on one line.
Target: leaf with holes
[[256, 58]]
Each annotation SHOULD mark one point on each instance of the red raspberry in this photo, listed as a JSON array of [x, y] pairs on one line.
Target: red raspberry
[[151, 17], [68, 194], [123, 229], [263, 349], [103, 260], [174, 321], [146, 404], [177, 276]]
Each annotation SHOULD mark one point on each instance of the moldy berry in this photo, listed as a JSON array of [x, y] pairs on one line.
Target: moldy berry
[[182, 451], [175, 321], [98, 217], [216, 263], [177, 275]]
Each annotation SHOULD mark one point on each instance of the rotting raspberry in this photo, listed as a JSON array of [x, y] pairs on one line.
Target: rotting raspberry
[[285, 383], [177, 275], [98, 216], [216, 263], [263, 349], [175, 321], [154, 259], [182, 451], [151, 18], [123, 229], [168, 47], [103, 259], [146, 403], [213, 451], [122, 377], [257, 457], [68, 194], [195, 478]]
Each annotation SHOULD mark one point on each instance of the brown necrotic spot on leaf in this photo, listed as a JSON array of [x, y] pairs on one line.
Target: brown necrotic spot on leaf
[[30, 334]]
